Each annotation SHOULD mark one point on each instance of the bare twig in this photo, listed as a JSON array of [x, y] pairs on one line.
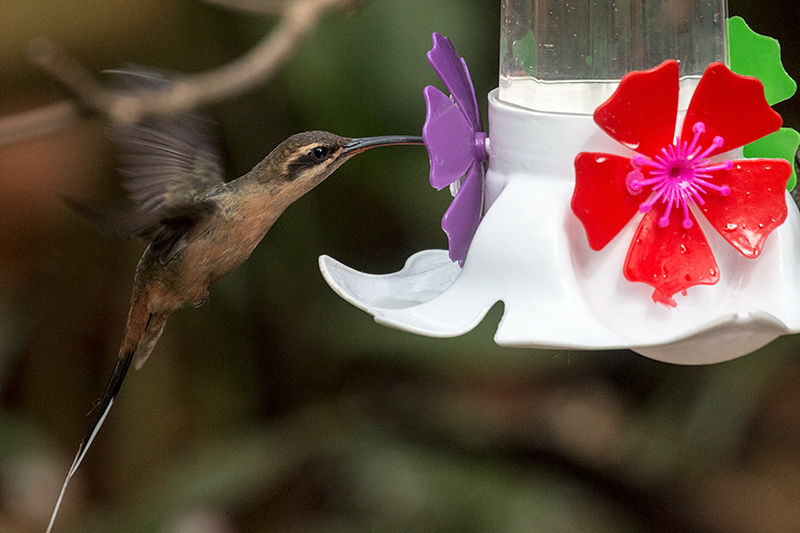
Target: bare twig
[[39, 121], [53, 59], [260, 64], [264, 7]]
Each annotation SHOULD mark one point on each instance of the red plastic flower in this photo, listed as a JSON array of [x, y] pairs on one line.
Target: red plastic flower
[[671, 179]]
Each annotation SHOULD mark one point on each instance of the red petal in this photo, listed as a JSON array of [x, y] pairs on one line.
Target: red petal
[[755, 206], [642, 111], [669, 259], [601, 200], [731, 106]]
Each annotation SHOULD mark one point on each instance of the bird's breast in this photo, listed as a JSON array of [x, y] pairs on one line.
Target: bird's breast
[[224, 245], [215, 248]]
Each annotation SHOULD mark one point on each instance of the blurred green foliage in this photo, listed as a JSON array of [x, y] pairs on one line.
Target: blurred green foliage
[[277, 406]]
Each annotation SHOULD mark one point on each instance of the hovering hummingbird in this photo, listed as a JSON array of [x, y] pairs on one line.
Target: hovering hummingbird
[[200, 228]]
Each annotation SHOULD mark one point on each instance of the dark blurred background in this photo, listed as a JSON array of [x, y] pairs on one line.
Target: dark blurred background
[[277, 406]]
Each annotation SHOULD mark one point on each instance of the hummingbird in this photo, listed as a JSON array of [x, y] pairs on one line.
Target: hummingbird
[[199, 227]]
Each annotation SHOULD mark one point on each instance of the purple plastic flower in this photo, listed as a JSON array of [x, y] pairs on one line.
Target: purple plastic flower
[[456, 144]]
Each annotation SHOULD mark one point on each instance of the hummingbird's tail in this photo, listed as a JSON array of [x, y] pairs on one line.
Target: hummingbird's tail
[[155, 326], [141, 333]]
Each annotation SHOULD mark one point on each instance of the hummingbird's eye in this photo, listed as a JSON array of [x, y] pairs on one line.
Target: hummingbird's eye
[[319, 153]]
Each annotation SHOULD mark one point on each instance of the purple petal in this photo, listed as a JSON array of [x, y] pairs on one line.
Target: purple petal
[[461, 219], [448, 138], [455, 75]]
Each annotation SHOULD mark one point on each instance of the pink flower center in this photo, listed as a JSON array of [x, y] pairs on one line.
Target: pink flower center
[[679, 176]]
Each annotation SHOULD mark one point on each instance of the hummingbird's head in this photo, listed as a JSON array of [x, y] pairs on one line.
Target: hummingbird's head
[[312, 156]]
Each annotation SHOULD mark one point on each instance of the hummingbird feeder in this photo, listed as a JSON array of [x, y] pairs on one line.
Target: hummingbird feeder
[[631, 191]]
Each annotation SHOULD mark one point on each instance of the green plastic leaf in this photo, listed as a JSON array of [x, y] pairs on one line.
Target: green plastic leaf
[[757, 55], [780, 144], [760, 56]]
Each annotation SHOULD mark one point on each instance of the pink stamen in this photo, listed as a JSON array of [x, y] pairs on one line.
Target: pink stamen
[[663, 222], [716, 143], [724, 190], [644, 207], [699, 128], [687, 221], [696, 195], [645, 182], [678, 175], [640, 161], [633, 181], [725, 165]]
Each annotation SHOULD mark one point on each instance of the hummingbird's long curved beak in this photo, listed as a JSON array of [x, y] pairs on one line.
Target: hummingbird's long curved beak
[[357, 146]]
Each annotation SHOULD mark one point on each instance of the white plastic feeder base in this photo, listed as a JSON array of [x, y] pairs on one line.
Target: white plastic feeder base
[[531, 253]]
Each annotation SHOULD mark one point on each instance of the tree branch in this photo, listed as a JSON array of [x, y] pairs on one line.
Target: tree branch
[[264, 7], [188, 92]]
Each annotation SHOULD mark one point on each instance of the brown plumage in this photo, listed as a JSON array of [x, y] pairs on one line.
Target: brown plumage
[[200, 228]]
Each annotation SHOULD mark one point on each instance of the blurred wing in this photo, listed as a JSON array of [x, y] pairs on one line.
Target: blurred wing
[[168, 165], [167, 162], [124, 219]]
